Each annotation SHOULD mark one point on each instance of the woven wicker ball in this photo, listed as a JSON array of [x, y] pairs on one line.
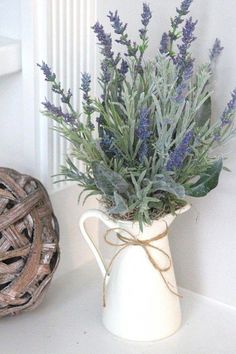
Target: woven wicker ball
[[29, 235]]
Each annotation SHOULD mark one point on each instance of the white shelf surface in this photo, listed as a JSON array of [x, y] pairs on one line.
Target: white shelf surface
[[69, 322], [10, 56]]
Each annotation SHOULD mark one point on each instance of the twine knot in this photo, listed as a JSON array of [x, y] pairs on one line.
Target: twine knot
[[146, 246]]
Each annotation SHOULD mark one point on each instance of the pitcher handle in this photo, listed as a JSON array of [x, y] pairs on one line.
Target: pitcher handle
[[94, 213]]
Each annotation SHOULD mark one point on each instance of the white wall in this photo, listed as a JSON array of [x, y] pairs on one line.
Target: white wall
[[11, 132], [10, 14], [204, 251]]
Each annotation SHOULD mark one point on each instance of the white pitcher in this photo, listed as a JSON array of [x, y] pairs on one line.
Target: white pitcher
[[142, 301]]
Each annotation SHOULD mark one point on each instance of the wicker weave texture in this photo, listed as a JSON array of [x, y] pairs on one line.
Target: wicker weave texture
[[29, 235]]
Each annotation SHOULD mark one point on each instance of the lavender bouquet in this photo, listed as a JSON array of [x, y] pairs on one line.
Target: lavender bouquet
[[148, 141]]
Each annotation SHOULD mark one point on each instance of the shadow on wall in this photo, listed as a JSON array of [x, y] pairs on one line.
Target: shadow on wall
[[184, 244], [74, 250], [203, 244]]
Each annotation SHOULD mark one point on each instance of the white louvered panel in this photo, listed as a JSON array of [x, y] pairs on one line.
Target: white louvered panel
[[70, 52], [55, 146]]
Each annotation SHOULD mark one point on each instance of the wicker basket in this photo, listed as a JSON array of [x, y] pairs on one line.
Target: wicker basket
[[29, 235]]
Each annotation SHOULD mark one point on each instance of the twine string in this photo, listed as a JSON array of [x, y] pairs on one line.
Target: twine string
[[146, 246]]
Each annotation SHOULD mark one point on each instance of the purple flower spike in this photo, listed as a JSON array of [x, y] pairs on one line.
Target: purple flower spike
[[66, 98], [146, 15], [118, 26], [182, 11], [187, 38], [104, 39], [106, 71], [143, 132], [56, 86], [216, 50], [124, 67], [180, 92], [87, 104], [178, 155], [188, 69], [231, 107], [164, 45], [49, 75], [183, 60], [145, 19], [188, 31], [85, 85], [184, 7], [58, 113], [51, 108], [107, 145], [182, 88]]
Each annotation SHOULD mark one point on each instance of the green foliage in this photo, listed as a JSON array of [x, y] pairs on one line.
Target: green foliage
[[207, 181], [109, 181]]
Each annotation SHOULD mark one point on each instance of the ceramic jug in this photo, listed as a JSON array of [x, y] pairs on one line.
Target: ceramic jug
[[142, 302]]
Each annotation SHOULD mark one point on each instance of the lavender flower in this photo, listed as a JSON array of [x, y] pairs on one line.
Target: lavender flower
[[105, 40], [216, 50], [47, 71], [142, 32], [143, 132], [51, 108], [132, 49], [109, 63], [107, 145], [182, 88], [124, 67], [145, 19], [187, 39], [85, 85], [56, 86], [178, 155], [231, 106], [164, 45], [184, 7], [58, 113], [106, 71], [180, 93], [118, 26], [146, 15], [183, 60], [182, 11], [87, 104], [65, 98], [188, 69]]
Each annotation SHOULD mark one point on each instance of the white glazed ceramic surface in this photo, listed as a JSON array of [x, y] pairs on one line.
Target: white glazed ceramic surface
[[139, 305]]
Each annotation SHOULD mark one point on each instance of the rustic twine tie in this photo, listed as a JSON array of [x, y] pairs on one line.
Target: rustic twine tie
[[145, 244]]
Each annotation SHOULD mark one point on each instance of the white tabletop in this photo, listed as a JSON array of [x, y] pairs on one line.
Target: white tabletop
[[69, 322]]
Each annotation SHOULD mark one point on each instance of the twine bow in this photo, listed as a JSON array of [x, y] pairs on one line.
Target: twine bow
[[146, 245]]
